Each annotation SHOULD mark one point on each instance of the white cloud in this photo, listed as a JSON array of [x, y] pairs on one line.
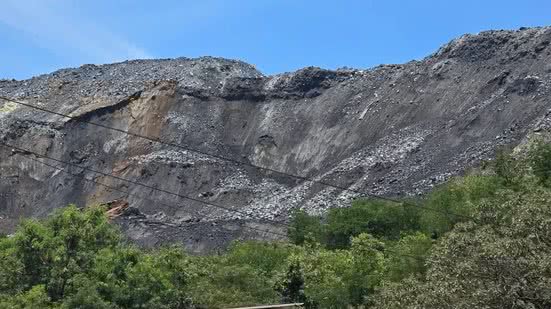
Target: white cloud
[[52, 25]]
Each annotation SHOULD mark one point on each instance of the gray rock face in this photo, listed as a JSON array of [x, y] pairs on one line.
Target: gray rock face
[[395, 130]]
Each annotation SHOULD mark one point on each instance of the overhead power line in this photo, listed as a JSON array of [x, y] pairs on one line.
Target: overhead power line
[[223, 158], [127, 192], [136, 183], [27, 154], [170, 205]]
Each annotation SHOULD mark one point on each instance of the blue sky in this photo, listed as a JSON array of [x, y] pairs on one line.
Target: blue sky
[[40, 36]]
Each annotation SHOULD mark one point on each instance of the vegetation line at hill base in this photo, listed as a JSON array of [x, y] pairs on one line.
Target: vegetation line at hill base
[[369, 255]]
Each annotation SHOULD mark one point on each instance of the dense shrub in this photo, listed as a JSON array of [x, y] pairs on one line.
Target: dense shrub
[[407, 256], [501, 262], [453, 202], [245, 275], [304, 227], [76, 259], [540, 162], [379, 218], [323, 278]]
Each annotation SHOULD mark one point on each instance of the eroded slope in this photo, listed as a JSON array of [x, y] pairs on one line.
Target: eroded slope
[[392, 130]]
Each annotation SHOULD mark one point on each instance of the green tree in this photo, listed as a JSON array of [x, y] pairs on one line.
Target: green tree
[[75, 237], [334, 278], [86, 295], [291, 285], [324, 276], [75, 259], [35, 298], [130, 278], [50, 253], [379, 218], [453, 202], [501, 261], [508, 169], [540, 161], [367, 268], [407, 257], [12, 269], [265, 257], [223, 286], [304, 226]]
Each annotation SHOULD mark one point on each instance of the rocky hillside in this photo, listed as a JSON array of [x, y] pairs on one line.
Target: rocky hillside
[[393, 130]]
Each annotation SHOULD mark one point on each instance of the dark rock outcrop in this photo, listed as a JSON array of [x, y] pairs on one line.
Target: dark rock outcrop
[[394, 130]]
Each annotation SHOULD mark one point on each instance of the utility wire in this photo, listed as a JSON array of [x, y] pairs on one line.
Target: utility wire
[[165, 204], [128, 193], [134, 182], [187, 148], [153, 200]]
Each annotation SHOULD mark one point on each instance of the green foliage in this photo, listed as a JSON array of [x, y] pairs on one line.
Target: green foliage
[[506, 167], [303, 227], [291, 284], [382, 219], [323, 278], [540, 161], [368, 268], [499, 261], [233, 285], [35, 298], [131, 278], [75, 259], [86, 295], [267, 258], [453, 202], [407, 257], [52, 252], [11, 268], [243, 276]]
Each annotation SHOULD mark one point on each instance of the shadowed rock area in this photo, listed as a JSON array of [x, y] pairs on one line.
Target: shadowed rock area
[[394, 130]]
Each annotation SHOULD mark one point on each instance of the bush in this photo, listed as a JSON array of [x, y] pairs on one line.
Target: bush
[[303, 227], [34, 298], [453, 202], [267, 258], [508, 169], [407, 257], [225, 285], [501, 262], [540, 161], [377, 217], [76, 259]]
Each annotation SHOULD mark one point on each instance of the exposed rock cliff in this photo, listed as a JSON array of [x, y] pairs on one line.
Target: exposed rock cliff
[[393, 130]]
